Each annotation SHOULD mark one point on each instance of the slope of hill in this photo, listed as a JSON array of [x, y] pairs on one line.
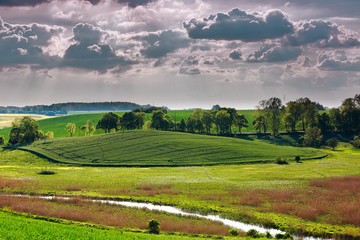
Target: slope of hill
[[157, 148]]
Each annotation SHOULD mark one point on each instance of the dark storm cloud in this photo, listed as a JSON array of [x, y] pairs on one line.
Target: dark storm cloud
[[89, 53], [13, 3], [156, 45], [135, 3], [240, 25], [32, 3], [337, 65], [22, 44], [322, 34], [236, 54], [271, 53]]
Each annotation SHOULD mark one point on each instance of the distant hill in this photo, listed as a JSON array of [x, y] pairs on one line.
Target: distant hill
[[64, 108]]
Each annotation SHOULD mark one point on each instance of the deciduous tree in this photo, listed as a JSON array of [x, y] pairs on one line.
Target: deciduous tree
[[70, 128]]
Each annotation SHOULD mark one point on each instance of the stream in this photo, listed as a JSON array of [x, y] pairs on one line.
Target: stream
[[173, 210]]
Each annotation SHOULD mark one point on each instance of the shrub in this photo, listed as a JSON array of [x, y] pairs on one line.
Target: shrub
[[355, 142], [2, 140], [297, 159], [154, 226], [234, 232], [268, 235], [252, 233], [281, 161], [284, 236], [46, 172]]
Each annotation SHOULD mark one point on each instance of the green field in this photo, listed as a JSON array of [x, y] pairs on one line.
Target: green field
[[57, 124], [235, 191], [13, 226], [160, 148]]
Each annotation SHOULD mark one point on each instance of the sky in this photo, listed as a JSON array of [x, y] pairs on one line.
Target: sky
[[179, 53]]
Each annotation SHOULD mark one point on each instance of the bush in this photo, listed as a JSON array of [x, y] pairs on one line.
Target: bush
[[46, 172], [252, 233], [154, 226], [268, 235], [2, 140], [281, 161], [234, 232], [284, 236], [355, 142], [297, 159]]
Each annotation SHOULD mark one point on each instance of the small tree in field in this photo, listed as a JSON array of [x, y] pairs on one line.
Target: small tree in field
[[2, 140], [154, 226], [70, 128], [333, 143]]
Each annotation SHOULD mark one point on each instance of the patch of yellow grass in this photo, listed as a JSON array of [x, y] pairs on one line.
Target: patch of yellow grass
[[6, 118]]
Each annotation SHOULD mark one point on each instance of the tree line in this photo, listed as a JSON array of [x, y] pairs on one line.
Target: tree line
[[270, 116]]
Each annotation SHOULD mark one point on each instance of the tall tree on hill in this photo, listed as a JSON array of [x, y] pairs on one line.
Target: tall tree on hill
[[182, 126], [293, 114], [140, 119], [161, 121], [70, 128], [222, 121], [207, 119], [108, 121], [336, 119], [128, 121], [325, 122], [272, 110], [241, 121], [350, 115], [260, 123], [232, 113], [90, 127], [308, 112], [195, 120]]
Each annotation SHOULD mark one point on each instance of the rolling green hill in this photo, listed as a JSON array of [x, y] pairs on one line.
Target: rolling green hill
[[57, 124], [157, 148]]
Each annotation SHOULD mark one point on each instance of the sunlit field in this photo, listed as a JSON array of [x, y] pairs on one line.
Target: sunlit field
[[313, 197], [6, 119]]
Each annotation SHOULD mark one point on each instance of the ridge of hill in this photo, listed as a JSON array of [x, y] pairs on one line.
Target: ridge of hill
[[158, 148]]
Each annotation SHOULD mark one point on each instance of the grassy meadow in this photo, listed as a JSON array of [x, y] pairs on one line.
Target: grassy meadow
[[17, 226], [160, 148], [314, 197]]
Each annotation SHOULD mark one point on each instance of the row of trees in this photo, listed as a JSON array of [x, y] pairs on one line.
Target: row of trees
[[303, 113], [128, 121], [88, 128], [201, 121]]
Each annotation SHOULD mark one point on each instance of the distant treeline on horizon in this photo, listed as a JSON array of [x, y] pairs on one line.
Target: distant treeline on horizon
[[64, 108]]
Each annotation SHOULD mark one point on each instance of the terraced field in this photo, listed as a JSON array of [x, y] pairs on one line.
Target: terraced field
[[157, 148]]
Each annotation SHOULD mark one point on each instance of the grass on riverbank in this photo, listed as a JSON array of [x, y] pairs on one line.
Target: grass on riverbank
[[19, 227]]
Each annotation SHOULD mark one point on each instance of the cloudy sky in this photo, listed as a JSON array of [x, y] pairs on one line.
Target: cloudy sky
[[178, 53]]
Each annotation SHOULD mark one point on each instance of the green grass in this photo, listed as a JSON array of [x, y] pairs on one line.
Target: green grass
[[13, 226], [205, 189], [159, 148]]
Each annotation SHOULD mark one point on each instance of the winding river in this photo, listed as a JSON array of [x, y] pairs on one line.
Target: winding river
[[173, 210]]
